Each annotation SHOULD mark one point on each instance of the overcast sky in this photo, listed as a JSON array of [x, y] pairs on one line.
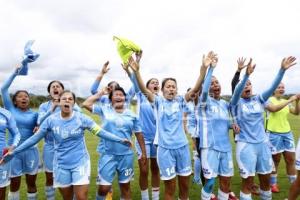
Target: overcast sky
[[74, 39]]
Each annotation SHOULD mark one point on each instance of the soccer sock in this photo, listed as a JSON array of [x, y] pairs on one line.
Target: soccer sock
[[31, 196], [145, 194], [265, 195], [205, 195], [292, 178], [209, 185], [14, 195], [50, 192], [98, 197], [197, 170], [155, 193], [222, 195], [273, 179], [244, 196]]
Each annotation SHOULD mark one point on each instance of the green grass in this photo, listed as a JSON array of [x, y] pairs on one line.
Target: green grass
[[92, 142]]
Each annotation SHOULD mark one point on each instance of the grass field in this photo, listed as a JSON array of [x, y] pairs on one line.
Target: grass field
[[92, 142]]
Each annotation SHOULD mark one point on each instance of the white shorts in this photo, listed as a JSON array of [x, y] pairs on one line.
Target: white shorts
[[78, 176], [4, 175], [281, 142], [172, 162], [253, 158], [215, 163]]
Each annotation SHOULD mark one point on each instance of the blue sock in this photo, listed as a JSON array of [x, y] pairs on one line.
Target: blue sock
[[98, 197], [209, 185], [292, 178], [244, 196], [32, 196], [273, 179], [50, 192], [265, 195], [197, 170]]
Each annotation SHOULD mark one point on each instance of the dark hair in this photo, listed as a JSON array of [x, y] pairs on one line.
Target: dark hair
[[148, 82], [118, 88], [167, 79], [16, 94], [68, 91], [113, 82], [55, 81]]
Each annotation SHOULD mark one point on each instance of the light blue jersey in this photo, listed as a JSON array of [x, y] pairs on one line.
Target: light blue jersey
[[248, 113], [170, 132], [69, 143], [121, 124], [104, 101], [251, 119], [26, 120], [214, 125], [191, 119], [7, 122], [45, 110], [146, 113], [214, 121]]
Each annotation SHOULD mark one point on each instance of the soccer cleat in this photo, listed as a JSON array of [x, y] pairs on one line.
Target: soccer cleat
[[274, 188], [232, 196], [213, 197]]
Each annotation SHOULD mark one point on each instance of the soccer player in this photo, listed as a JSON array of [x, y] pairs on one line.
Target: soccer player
[[148, 125], [173, 154], [105, 100], [71, 159], [190, 127], [121, 121], [253, 153], [235, 80], [280, 135], [7, 122], [27, 161], [215, 146], [54, 88], [295, 187]]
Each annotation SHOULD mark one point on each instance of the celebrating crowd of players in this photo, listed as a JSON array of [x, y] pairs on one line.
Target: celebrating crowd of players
[[161, 126]]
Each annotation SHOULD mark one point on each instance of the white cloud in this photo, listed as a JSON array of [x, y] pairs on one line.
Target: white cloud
[[74, 38]]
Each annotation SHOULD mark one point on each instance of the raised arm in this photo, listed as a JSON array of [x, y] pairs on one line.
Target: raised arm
[[274, 108], [7, 102], [286, 63], [206, 85], [136, 69], [236, 78], [206, 62], [239, 89], [88, 103], [131, 75], [104, 70]]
